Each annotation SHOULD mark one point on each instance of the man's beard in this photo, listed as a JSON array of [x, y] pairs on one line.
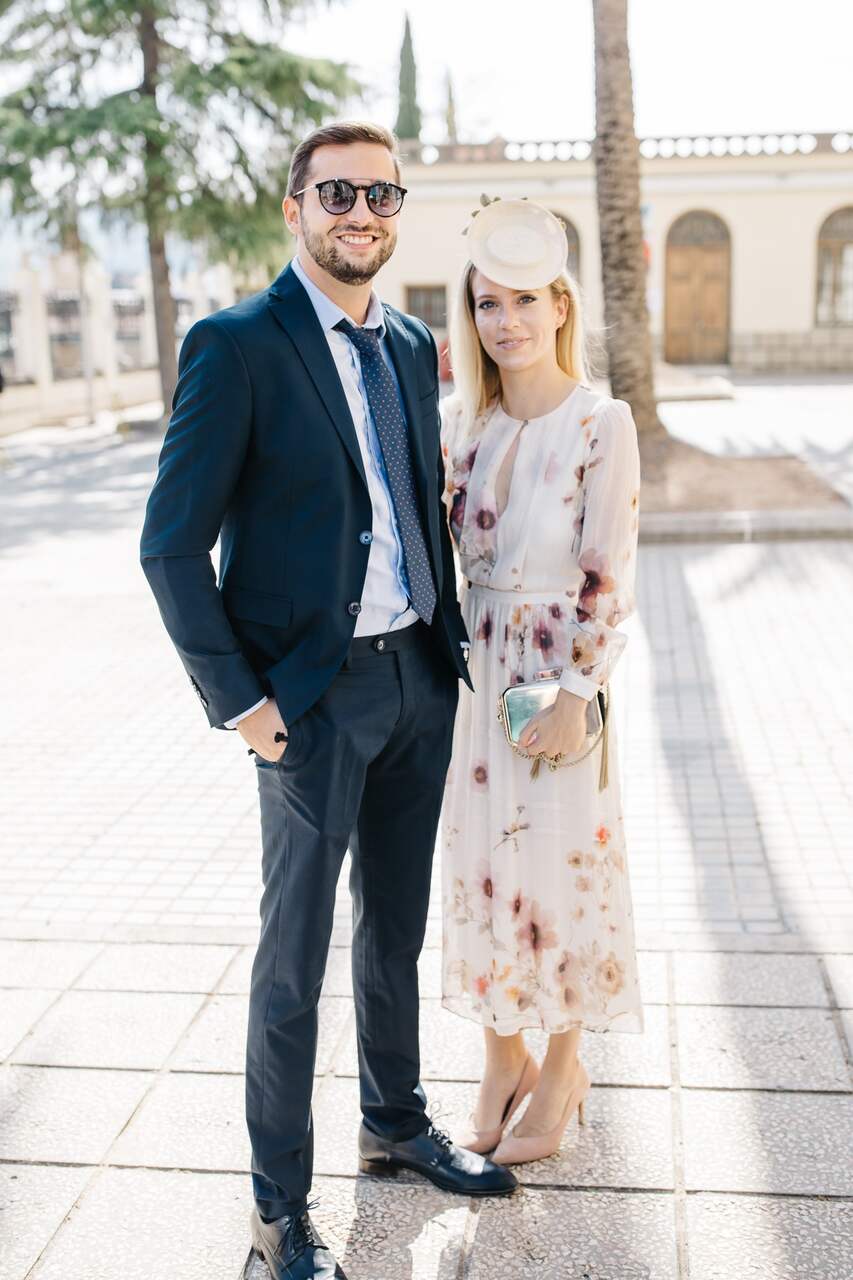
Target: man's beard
[[325, 253]]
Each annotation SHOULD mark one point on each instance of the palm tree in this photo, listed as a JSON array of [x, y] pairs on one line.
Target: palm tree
[[617, 169]]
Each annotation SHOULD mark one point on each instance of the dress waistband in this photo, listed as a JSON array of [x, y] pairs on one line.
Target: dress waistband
[[522, 597]]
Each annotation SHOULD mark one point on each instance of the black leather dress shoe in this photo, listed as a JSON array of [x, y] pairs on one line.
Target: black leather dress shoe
[[291, 1249], [434, 1155]]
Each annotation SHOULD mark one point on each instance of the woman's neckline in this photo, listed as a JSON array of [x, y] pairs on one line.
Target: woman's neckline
[[541, 416]]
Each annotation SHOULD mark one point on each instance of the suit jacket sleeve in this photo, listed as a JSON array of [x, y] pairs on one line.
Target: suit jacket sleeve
[[200, 466]]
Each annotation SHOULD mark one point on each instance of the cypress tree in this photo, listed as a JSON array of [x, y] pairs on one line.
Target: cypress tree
[[408, 124], [450, 117]]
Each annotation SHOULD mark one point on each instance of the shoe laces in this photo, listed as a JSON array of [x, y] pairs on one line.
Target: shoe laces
[[439, 1136], [302, 1232]]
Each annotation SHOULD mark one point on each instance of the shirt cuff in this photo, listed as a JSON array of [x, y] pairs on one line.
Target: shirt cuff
[[232, 724], [574, 682]]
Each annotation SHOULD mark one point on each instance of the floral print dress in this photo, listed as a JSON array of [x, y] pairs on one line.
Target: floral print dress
[[538, 924]]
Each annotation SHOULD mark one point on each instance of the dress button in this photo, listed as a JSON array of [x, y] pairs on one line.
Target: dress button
[[354, 608], [365, 538], [379, 645]]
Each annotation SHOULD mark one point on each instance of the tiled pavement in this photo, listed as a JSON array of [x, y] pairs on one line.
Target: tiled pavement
[[811, 417], [717, 1144]]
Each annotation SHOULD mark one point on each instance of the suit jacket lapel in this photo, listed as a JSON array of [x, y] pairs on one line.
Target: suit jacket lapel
[[424, 461], [403, 355], [292, 309]]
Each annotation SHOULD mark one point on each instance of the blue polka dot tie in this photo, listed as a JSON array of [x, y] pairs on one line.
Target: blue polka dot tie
[[393, 438]]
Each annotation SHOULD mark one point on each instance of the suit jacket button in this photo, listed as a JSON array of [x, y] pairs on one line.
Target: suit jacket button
[[353, 608], [365, 538]]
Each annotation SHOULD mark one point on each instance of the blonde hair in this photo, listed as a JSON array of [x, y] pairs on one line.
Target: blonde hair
[[476, 376]]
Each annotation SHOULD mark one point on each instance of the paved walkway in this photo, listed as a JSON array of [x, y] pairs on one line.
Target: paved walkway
[[717, 1144], [809, 418]]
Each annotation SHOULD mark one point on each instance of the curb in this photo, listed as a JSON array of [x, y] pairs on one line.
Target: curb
[[745, 526]]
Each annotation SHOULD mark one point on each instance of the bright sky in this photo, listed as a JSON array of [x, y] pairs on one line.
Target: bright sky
[[525, 69]]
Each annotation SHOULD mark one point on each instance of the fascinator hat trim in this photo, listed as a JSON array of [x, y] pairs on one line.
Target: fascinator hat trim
[[517, 243]]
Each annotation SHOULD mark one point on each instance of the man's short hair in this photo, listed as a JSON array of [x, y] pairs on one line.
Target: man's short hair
[[344, 133]]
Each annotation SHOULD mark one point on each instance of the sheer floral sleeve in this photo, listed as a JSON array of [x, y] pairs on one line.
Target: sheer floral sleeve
[[606, 548], [455, 471]]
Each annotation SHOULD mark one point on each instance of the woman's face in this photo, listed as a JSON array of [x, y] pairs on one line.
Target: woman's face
[[517, 327]]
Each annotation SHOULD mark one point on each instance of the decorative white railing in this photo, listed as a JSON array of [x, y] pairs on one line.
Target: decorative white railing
[[739, 144]]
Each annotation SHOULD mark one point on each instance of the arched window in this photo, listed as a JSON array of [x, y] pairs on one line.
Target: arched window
[[835, 269], [574, 259]]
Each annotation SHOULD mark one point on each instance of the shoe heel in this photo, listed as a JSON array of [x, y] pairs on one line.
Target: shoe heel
[[581, 1119], [378, 1168]]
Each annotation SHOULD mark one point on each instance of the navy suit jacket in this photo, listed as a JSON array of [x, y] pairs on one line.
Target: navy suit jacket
[[261, 451]]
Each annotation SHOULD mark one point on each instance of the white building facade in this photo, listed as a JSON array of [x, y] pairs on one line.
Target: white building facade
[[748, 240], [748, 249]]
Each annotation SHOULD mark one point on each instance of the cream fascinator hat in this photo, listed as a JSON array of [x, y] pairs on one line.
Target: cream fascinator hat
[[517, 243]]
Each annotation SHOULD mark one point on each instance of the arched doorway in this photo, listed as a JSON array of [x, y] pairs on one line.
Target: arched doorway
[[835, 270], [574, 259], [698, 268], [574, 247]]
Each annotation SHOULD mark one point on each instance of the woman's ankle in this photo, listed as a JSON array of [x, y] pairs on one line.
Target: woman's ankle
[[506, 1065], [562, 1075]]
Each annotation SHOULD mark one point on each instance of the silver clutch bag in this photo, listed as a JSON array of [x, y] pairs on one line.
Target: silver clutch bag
[[520, 702]]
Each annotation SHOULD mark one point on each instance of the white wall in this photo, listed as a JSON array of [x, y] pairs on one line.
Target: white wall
[[773, 205]]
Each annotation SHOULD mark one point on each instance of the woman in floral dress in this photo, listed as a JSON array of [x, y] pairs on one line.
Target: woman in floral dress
[[542, 496]]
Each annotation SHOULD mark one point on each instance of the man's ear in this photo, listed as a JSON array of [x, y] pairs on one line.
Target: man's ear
[[290, 209]]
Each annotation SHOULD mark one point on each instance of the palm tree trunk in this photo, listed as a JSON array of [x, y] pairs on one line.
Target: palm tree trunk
[[617, 169], [155, 217]]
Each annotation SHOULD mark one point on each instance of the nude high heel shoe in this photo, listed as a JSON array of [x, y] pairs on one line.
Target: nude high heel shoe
[[483, 1140], [513, 1150]]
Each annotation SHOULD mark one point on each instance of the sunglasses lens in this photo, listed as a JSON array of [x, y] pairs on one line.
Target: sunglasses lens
[[384, 198], [336, 196]]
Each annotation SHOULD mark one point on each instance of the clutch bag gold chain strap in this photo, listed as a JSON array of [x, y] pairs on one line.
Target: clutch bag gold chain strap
[[602, 737]]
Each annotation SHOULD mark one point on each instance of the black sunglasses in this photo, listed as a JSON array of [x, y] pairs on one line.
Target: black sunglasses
[[338, 195]]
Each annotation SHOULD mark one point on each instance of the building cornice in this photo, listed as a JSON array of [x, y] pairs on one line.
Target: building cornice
[[536, 185], [673, 147]]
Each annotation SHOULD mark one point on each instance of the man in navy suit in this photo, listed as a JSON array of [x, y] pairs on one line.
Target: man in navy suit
[[305, 435]]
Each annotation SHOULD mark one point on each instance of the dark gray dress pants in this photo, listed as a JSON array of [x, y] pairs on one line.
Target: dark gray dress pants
[[364, 768]]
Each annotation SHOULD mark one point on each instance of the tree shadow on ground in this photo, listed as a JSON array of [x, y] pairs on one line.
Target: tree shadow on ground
[[96, 486]]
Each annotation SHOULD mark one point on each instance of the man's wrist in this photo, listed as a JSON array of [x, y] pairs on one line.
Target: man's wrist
[[244, 715]]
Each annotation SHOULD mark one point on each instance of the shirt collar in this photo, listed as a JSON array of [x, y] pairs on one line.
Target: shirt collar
[[328, 312]]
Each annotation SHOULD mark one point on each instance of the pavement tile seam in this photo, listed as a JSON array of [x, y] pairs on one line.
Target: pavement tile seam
[[817, 1196], [338, 1052], [72, 1208], [81, 1066], [787, 943], [194, 991], [415, 1180], [16, 1046], [763, 1088], [845, 1042], [469, 1237], [679, 1178], [233, 963]]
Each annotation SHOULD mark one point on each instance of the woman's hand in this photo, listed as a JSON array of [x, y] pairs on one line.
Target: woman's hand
[[558, 730]]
